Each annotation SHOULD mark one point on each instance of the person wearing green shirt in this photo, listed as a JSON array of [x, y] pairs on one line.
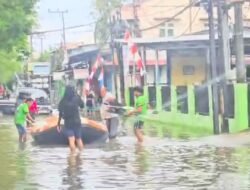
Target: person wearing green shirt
[[141, 108], [21, 115]]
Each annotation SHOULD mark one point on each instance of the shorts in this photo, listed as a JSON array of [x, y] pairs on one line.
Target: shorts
[[21, 129], [73, 132], [138, 124]]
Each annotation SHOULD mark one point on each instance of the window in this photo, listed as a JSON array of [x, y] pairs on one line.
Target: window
[[166, 30], [188, 70], [206, 26]]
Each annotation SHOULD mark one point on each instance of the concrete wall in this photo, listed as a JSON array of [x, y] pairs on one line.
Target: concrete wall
[[152, 12]]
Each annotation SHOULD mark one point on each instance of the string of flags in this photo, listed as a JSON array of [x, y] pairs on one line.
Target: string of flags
[[97, 65], [133, 50]]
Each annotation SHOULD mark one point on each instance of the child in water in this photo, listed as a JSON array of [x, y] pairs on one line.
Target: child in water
[[141, 108], [21, 115]]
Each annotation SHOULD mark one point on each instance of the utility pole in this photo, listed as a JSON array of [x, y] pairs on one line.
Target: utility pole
[[215, 95], [239, 42], [190, 16], [224, 57], [136, 30], [41, 43], [31, 44], [61, 13], [112, 23]]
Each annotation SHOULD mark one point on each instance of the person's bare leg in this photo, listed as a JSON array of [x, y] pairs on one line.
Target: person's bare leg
[[139, 135], [24, 138], [80, 144], [72, 144], [20, 138]]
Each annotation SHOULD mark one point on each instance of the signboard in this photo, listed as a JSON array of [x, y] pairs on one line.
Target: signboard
[[41, 69], [58, 76], [81, 73]]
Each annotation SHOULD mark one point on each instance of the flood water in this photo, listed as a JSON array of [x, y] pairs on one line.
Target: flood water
[[123, 164]]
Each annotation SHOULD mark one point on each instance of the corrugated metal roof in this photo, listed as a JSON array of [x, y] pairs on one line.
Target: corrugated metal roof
[[202, 37]]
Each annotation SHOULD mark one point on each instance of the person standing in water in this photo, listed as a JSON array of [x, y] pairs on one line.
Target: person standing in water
[[21, 116], [33, 109], [69, 111], [141, 108], [111, 119]]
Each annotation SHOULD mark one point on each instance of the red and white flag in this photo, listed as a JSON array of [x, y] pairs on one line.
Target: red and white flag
[[97, 64], [133, 50]]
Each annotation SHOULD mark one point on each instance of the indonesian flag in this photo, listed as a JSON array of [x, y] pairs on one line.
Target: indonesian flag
[[97, 64], [87, 87], [133, 50], [139, 64]]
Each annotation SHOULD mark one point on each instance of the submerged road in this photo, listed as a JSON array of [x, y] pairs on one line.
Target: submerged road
[[217, 162]]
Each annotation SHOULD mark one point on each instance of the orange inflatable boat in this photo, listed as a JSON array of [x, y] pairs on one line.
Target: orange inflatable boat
[[45, 132]]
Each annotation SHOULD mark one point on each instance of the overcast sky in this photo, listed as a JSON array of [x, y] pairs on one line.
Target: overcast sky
[[79, 12]]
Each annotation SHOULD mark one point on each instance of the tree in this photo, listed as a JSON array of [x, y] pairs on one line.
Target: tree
[[44, 57], [104, 9], [16, 20], [57, 59]]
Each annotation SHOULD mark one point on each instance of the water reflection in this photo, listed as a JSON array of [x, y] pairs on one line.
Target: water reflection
[[123, 164], [73, 172], [142, 159]]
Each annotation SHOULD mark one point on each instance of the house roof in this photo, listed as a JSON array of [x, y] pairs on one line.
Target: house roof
[[196, 40]]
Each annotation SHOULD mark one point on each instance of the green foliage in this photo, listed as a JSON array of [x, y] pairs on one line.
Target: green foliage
[[44, 57], [57, 59], [16, 19], [104, 9]]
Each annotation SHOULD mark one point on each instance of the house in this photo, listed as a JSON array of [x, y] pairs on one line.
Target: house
[[187, 58], [155, 20]]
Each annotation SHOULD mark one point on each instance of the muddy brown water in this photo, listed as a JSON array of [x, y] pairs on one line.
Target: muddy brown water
[[207, 163]]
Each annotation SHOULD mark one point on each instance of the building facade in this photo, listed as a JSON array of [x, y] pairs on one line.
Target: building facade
[[151, 15]]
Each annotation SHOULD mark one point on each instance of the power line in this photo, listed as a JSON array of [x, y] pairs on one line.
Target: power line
[[66, 28], [172, 18], [61, 13], [193, 20]]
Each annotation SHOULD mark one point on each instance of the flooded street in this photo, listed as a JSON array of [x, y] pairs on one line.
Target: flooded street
[[123, 164]]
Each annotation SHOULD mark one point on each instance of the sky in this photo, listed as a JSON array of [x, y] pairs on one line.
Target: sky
[[79, 13]]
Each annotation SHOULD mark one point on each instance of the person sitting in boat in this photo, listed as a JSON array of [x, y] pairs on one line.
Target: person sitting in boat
[[111, 119], [21, 116], [69, 111]]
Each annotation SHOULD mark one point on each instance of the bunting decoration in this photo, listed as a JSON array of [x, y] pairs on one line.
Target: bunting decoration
[[94, 69], [133, 50], [101, 78]]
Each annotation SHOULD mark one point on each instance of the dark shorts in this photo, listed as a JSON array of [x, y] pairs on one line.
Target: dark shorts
[[73, 132], [21, 129], [138, 124]]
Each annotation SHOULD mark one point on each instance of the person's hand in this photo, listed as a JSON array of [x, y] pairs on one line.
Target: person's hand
[[59, 129], [129, 113], [84, 120]]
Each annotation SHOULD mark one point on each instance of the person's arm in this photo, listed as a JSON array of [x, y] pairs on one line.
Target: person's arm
[[135, 111], [60, 117], [28, 116]]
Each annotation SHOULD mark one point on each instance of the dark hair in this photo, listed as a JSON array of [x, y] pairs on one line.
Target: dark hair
[[138, 89], [69, 93], [28, 100]]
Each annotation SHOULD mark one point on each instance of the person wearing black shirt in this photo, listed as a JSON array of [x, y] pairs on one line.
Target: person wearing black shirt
[[69, 111]]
